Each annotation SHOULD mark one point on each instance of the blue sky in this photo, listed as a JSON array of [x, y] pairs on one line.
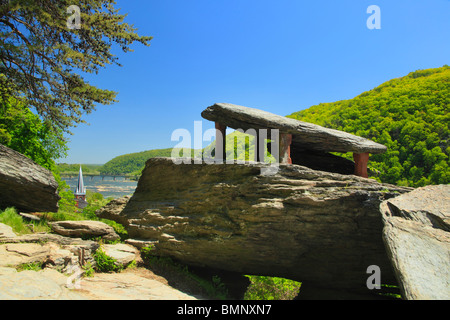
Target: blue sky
[[280, 56]]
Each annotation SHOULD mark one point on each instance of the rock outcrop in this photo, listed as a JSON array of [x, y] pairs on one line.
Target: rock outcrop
[[50, 250], [61, 259], [321, 228], [417, 239], [306, 135], [113, 209], [6, 232], [87, 228], [25, 185]]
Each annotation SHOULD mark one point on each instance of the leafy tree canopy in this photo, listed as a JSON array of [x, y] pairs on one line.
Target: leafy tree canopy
[[25, 132], [410, 115], [42, 60]]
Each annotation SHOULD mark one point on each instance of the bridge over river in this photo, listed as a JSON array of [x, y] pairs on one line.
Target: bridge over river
[[108, 185], [88, 176]]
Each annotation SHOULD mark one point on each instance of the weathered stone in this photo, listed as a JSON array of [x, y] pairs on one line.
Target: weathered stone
[[31, 285], [6, 232], [417, 239], [49, 284], [29, 217], [25, 185], [113, 209], [55, 252], [140, 243], [124, 254], [128, 286], [21, 253], [313, 226], [305, 135], [48, 237], [86, 228], [50, 250]]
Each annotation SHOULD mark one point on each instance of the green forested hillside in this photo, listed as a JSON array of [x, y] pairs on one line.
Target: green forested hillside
[[410, 115], [132, 163]]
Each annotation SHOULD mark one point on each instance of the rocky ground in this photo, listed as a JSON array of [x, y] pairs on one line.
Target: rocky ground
[[59, 278]]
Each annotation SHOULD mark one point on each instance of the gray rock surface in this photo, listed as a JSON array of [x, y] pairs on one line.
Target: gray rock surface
[[305, 135], [50, 284], [86, 228], [61, 258], [25, 185], [31, 285], [47, 249], [130, 285], [6, 231], [321, 228], [113, 209], [123, 253], [416, 235]]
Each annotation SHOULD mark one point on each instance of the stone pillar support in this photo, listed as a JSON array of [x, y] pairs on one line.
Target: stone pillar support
[[220, 153], [285, 148], [361, 160]]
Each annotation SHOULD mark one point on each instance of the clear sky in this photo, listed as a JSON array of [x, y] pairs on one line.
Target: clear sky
[[280, 56]]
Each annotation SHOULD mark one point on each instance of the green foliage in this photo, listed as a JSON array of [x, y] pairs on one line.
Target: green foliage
[[105, 263], [132, 163], [238, 146], [88, 269], [11, 218], [74, 169], [42, 60], [410, 115], [271, 288], [33, 266], [25, 132]]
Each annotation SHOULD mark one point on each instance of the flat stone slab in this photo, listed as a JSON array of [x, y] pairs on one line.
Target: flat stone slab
[[123, 253], [85, 228], [305, 135], [128, 286], [32, 285], [49, 284], [6, 231]]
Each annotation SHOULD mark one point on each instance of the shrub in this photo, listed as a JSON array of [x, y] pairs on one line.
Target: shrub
[[105, 263], [271, 288]]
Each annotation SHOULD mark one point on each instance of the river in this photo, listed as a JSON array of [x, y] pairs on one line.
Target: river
[[108, 187]]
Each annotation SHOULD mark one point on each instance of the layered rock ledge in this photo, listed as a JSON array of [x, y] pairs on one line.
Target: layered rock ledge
[[321, 228]]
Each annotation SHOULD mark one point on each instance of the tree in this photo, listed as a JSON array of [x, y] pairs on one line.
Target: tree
[[410, 115], [42, 58], [25, 132]]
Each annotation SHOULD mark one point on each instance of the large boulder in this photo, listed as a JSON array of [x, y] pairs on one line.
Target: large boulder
[[417, 239], [321, 228], [25, 185]]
